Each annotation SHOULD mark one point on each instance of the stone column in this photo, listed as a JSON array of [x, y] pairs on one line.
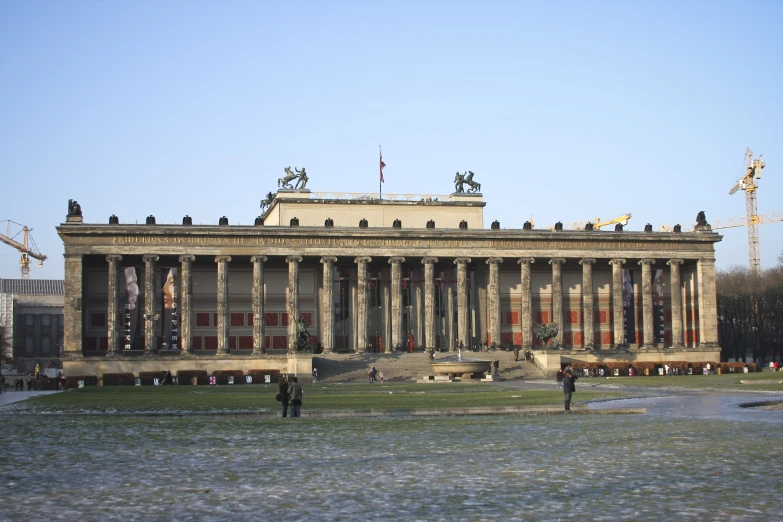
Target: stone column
[[222, 304], [429, 301], [676, 296], [150, 339], [526, 305], [259, 328], [708, 304], [494, 300], [557, 296], [112, 316], [463, 321], [396, 304], [186, 304], [588, 322], [450, 317], [327, 305], [647, 303], [72, 311], [361, 304], [386, 316], [617, 302], [419, 318], [292, 305]]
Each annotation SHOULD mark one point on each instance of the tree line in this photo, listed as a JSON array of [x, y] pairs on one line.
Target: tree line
[[750, 313]]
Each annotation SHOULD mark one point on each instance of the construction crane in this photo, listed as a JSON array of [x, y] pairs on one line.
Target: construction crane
[[597, 223], [748, 183], [23, 247]]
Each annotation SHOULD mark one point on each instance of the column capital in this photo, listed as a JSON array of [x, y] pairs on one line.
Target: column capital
[[672, 262], [328, 259], [222, 259], [293, 259], [258, 259], [526, 260], [359, 259], [149, 258], [587, 261], [113, 258], [462, 261], [396, 259], [494, 260], [429, 260], [617, 262], [707, 260], [73, 255], [646, 261], [187, 258], [557, 261]]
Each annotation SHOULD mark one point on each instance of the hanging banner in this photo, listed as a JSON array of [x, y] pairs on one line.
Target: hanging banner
[[629, 312], [659, 322], [132, 339], [170, 317]]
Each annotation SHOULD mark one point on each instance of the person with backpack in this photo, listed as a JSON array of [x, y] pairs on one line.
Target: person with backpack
[[295, 392]]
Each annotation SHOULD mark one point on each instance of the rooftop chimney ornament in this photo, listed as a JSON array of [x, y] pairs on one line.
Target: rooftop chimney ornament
[[559, 226], [259, 222], [329, 222], [223, 222], [187, 220], [527, 226], [648, 227], [495, 225], [618, 227], [114, 220], [431, 223], [150, 220]]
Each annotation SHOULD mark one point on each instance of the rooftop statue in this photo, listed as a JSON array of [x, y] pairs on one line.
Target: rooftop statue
[[701, 219], [466, 179], [300, 176], [74, 209], [266, 202]]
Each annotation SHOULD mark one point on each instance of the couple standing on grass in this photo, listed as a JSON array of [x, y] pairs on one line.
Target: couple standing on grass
[[290, 393]]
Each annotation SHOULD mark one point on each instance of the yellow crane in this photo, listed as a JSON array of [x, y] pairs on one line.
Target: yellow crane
[[748, 183], [597, 223], [23, 247]]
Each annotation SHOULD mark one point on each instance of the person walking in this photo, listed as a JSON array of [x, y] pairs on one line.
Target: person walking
[[516, 353], [559, 378], [282, 395], [380, 376], [373, 373], [315, 375], [295, 392], [568, 388], [496, 367]]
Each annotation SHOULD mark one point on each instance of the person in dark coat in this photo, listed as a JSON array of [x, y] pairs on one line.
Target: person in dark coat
[[282, 384], [568, 388]]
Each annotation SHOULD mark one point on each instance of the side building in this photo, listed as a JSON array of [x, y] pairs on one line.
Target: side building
[[363, 274], [32, 312]]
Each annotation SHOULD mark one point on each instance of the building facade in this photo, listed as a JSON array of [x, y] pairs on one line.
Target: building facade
[[377, 275], [32, 312]]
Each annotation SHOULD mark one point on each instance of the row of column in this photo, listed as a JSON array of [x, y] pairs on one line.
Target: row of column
[[706, 295]]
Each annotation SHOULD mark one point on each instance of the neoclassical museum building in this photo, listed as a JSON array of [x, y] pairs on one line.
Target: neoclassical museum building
[[371, 274]]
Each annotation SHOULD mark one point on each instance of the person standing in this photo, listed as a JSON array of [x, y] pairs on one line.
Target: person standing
[[295, 392], [559, 378], [516, 353], [380, 376], [568, 388], [315, 375], [283, 394]]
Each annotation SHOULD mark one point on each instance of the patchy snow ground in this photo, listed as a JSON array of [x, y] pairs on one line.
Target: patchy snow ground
[[628, 467]]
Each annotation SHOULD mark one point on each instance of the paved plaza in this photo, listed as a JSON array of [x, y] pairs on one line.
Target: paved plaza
[[693, 456]]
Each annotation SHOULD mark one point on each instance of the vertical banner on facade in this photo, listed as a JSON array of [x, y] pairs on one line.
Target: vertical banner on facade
[[629, 313], [170, 316], [131, 309], [659, 323]]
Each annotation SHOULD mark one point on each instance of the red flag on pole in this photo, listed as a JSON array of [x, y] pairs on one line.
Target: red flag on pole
[[382, 165]]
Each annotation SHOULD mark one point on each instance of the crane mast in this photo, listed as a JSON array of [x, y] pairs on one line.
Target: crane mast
[[747, 183]]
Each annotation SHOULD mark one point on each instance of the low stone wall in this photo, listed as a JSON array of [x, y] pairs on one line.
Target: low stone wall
[[299, 365], [550, 361]]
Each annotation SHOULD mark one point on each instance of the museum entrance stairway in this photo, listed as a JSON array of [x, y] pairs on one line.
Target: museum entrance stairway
[[333, 368]]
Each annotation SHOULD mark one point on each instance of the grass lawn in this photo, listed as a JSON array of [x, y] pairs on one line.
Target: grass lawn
[[129, 399]]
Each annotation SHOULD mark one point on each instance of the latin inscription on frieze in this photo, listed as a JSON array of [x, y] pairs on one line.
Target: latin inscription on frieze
[[525, 244]]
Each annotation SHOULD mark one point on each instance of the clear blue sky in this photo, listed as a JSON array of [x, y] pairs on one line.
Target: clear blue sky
[[564, 110]]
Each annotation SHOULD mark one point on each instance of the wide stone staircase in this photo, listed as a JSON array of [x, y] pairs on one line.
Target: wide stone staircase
[[400, 366]]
